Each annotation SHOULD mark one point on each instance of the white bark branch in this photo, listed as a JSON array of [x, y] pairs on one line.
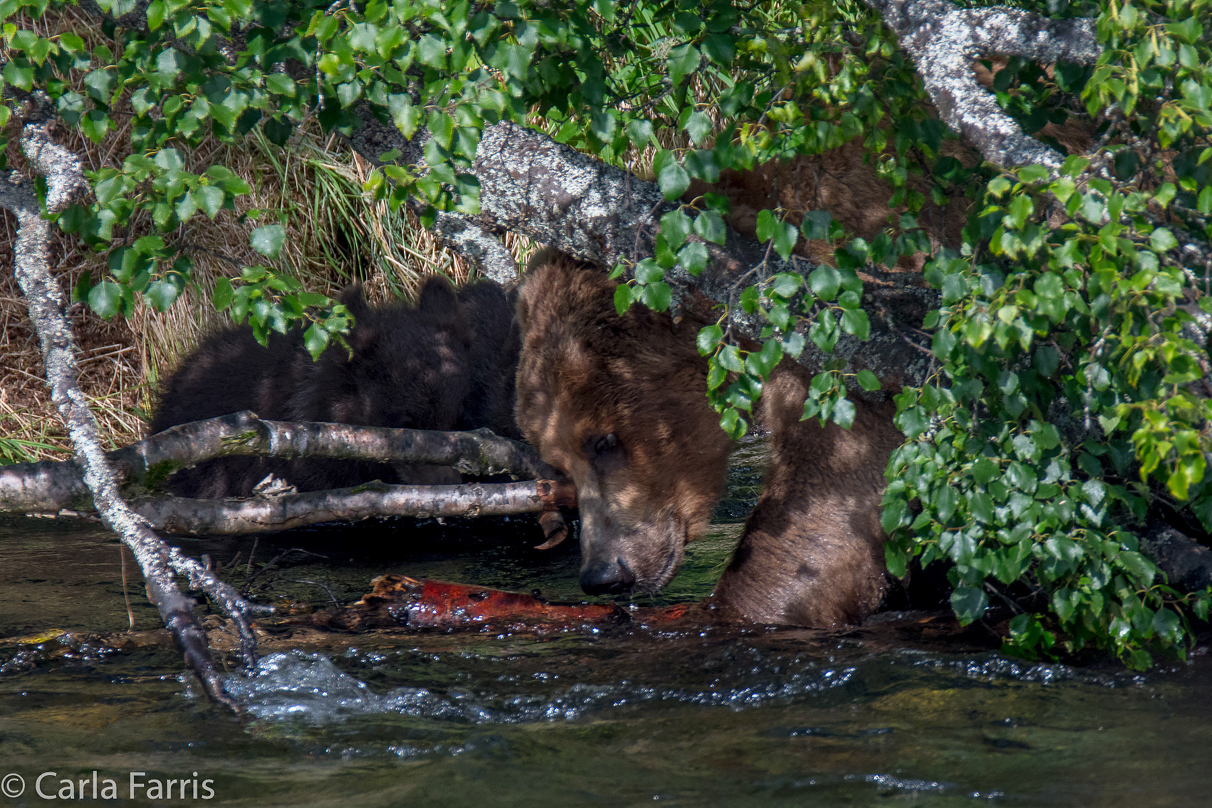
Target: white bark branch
[[45, 301], [230, 517], [945, 40]]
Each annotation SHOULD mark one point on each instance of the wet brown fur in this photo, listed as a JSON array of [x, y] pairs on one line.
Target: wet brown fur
[[812, 550], [586, 373]]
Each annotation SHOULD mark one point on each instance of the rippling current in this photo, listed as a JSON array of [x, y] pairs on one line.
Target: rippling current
[[616, 716]]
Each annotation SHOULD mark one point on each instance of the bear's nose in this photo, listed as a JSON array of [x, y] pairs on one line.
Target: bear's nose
[[607, 578]]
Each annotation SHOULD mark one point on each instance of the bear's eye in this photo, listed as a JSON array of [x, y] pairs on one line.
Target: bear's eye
[[605, 444]]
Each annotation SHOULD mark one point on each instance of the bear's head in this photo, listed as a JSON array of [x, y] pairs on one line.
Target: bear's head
[[407, 366], [618, 403]]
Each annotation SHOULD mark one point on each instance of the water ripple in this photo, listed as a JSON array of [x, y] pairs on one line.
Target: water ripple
[[310, 686]]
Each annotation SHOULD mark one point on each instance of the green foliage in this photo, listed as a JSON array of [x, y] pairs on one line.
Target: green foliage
[[1072, 396], [1069, 397]]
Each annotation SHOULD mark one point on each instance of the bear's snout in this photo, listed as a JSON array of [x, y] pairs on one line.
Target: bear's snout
[[608, 578]]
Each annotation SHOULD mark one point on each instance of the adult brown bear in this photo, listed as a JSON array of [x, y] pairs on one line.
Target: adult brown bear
[[619, 404]]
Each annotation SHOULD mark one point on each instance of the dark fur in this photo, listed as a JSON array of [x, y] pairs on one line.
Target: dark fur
[[812, 550], [495, 343], [409, 367]]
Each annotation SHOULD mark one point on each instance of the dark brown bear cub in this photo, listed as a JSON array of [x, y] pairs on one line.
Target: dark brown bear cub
[[493, 368], [409, 367]]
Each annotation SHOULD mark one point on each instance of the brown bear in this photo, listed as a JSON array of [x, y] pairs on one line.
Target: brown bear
[[421, 368], [619, 404], [493, 358]]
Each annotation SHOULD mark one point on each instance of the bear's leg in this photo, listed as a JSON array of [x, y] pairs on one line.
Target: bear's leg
[[812, 550]]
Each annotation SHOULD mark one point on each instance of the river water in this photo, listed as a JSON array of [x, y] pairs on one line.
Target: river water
[[615, 717]]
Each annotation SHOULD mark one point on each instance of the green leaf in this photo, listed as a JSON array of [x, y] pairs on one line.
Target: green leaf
[[720, 48], [980, 505], [733, 424], [657, 296], [622, 298], [105, 298], [603, 124], [432, 52], [969, 603], [816, 224], [1142, 568], [844, 412], [161, 294], [639, 132], [155, 15], [824, 282], [767, 223], [223, 294], [648, 271], [1021, 207], [709, 337], [693, 257], [675, 227], [268, 239], [281, 84], [674, 180], [855, 321], [698, 126], [786, 284], [730, 359], [868, 380], [1162, 240], [682, 60], [185, 206], [1050, 286], [896, 560], [709, 226], [210, 199], [945, 502], [315, 339]]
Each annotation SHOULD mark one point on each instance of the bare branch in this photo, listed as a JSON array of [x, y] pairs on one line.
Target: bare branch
[[229, 517], [945, 40], [51, 486], [44, 298], [61, 167], [473, 242], [480, 247]]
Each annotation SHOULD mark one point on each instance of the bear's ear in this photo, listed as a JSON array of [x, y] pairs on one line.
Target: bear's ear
[[438, 305], [362, 340], [352, 297], [363, 335], [438, 298]]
